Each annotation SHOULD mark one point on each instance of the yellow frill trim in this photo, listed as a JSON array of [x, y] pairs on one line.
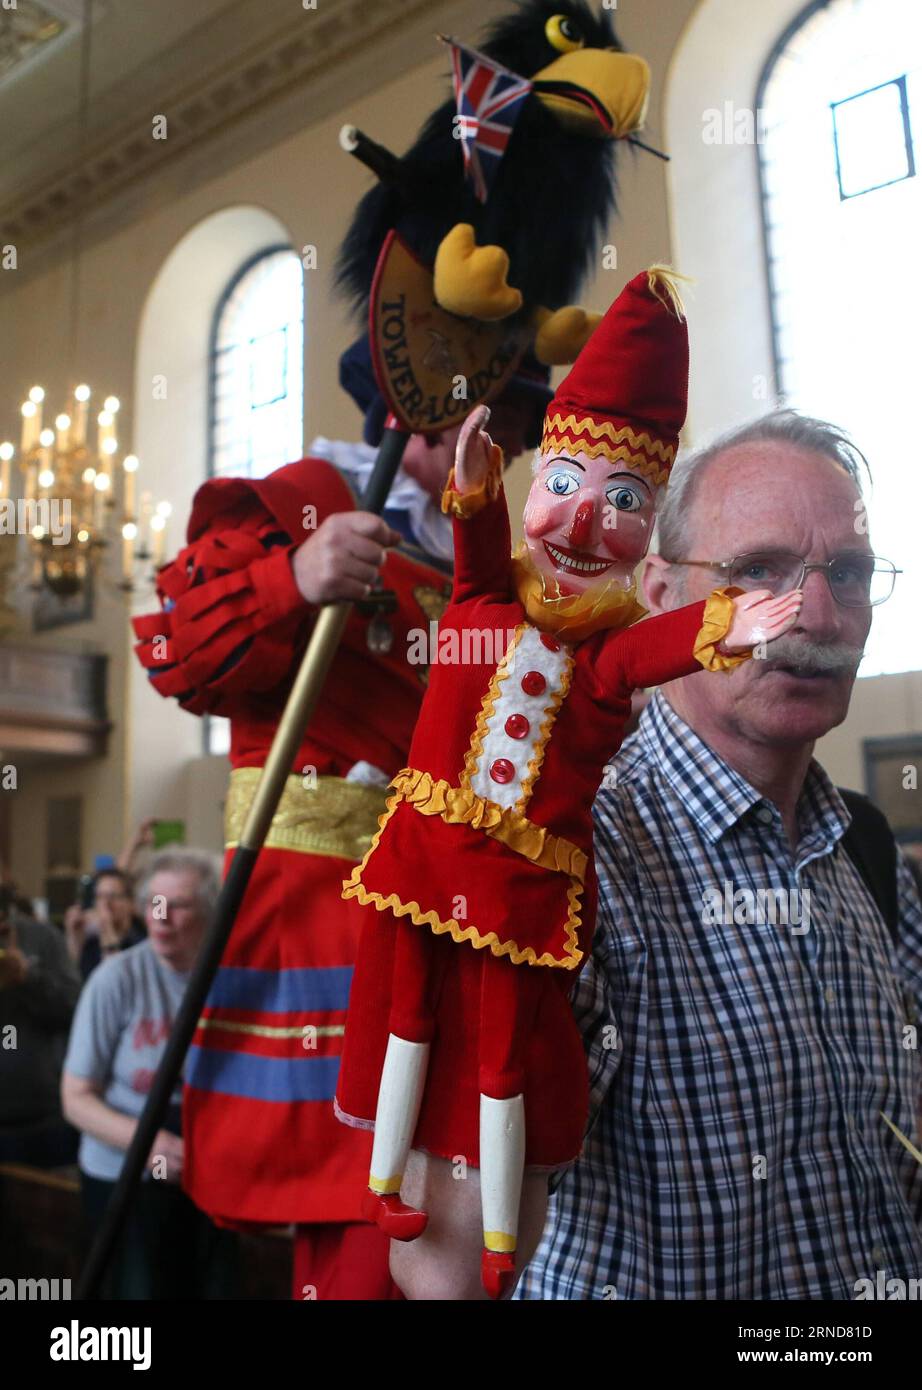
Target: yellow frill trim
[[615, 434], [468, 504], [487, 707], [544, 733], [572, 617], [618, 444], [718, 615], [461, 806]]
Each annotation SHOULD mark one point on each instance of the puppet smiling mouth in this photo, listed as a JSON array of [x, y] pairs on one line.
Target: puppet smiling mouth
[[576, 561]]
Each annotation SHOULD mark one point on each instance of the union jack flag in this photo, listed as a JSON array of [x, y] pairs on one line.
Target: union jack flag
[[489, 99]]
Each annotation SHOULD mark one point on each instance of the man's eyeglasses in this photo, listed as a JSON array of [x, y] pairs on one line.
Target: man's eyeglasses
[[855, 581]]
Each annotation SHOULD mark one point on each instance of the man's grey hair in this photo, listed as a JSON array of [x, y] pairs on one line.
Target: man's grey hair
[[178, 860], [779, 427]]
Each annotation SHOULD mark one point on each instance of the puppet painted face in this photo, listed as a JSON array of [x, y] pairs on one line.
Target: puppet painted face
[[587, 521]]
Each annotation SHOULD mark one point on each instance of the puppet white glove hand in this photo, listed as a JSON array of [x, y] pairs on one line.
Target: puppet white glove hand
[[760, 617]]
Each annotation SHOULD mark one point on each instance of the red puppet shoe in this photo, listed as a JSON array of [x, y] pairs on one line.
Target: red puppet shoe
[[497, 1272], [394, 1217]]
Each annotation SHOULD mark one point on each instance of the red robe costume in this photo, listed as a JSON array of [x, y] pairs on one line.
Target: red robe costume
[[486, 848], [261, 1141]]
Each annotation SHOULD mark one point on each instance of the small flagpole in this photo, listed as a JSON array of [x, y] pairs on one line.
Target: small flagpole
[[632, 140]]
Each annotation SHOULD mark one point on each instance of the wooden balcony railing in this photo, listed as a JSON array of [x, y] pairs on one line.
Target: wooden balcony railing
[[52, 702]]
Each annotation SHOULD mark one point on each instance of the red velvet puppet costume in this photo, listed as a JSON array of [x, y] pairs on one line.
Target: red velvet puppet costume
[[460, 1039]]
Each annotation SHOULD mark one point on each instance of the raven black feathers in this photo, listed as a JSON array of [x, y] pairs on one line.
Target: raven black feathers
[[552, 197]]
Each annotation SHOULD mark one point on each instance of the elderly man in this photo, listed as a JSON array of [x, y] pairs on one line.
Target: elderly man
[[747, 1011]]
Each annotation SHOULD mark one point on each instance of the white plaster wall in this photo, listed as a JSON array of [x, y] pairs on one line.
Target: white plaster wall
[[715, 216], [171, 439]]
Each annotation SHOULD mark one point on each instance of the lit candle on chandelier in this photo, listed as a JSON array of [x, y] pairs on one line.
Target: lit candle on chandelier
[[105, 430], [130, 526], [146, 510], [158, 527], [129, 469], [81, 409], [45, 469], [62, 425], [106, 420], [103, 480], [129, 535], [101, 484], [6, 453], [31, 420]]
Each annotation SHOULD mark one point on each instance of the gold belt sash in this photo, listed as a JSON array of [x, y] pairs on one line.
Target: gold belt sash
[[333, 817]]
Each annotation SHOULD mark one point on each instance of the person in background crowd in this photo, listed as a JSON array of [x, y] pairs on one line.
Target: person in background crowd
[[38, 991], [142, 841], [105, 928], [126, 1011]]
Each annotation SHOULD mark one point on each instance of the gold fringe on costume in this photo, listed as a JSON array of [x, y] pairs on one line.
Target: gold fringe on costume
[[718, 615], [461, 806], [468, 504], [572, 617], [617, 443]]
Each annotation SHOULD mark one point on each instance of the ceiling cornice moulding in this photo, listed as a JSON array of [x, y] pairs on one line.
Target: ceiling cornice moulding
[[267, 74]]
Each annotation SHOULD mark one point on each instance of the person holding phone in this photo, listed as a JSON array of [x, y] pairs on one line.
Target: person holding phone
[[103, 922]]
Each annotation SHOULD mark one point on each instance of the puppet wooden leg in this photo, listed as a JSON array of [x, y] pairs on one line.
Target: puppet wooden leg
[[509, 1000], [403, 1079]]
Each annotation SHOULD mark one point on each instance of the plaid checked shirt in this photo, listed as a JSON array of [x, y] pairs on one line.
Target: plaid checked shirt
[[737, 1071]]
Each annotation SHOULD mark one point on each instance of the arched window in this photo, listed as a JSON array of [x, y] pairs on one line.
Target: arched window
[[257, 384], [256, 396], [840, 102]]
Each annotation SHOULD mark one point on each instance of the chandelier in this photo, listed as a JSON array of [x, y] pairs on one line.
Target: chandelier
[[78, 497]]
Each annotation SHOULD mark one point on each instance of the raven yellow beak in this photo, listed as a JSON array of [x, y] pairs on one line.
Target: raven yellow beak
[[593, 91]]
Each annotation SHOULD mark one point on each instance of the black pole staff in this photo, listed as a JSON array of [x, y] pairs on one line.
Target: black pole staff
[[302, 701]]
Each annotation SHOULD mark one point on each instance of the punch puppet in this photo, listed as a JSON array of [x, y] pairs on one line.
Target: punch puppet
[[460, 1038]]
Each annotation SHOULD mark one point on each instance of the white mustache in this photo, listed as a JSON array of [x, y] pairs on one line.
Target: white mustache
[[813, 657]]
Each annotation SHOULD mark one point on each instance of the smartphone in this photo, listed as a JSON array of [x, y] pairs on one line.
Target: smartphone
[[169, 832]]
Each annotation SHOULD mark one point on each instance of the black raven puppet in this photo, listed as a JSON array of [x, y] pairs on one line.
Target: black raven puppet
[[526, 250]]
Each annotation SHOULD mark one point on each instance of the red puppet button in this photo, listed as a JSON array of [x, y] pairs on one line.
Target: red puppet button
[[533, 683], [550, 642], [517, 726], [502, 770]]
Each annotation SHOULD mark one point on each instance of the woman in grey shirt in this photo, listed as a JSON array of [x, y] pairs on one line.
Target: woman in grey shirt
[[123, 1019]]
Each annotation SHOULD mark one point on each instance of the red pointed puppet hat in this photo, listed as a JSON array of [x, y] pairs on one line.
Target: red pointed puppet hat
[[627, 393]]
